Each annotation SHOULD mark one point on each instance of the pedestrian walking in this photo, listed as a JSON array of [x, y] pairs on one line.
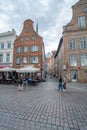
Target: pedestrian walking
[[20, 86], [64, 83], [60, 84], [25, 82], [29, 80]]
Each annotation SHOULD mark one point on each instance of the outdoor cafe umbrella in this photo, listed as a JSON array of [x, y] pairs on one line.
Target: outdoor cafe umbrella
[[7, 69], [28, 69]]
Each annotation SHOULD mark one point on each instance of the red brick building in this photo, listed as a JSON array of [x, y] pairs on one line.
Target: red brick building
[[29, 48]]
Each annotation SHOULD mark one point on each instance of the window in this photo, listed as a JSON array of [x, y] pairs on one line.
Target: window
[[34, 48], [25, 48], [83, 43], [34, 59], [7, 57], [73, 60], [25, 60], [27, 29], [33, 37], [72, 45], [8, 45], [84, 10], [18, 60], [22, 39], [27, 38], [19, 50], [1, 58], [81, 21], [84, 59], [2, 45]]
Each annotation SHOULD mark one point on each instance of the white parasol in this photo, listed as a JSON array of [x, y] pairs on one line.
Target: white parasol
[[28, 69], [7, 69]]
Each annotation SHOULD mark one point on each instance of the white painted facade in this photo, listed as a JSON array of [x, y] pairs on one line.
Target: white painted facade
[[6, 47]]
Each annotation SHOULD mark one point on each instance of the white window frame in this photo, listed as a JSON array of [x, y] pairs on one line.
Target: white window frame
[[18, 59], [34, 60], [73, 60], [34, 48], [2, 45], [81, 21], [18, 49], [8, 45], [72, 44], [25, 60], [83, 58], [25, 48], [83, 43], [7, 58]]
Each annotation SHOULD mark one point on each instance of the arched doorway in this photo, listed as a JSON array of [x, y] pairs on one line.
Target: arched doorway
[[74, 76]]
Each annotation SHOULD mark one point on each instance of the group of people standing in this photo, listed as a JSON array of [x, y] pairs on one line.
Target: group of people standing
[[62, 83], [26, 80]]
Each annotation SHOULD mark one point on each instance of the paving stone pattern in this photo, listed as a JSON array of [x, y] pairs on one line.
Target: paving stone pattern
[[42, 107]]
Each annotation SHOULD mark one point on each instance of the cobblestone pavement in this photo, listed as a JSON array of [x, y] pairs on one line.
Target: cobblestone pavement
[[42, 107]]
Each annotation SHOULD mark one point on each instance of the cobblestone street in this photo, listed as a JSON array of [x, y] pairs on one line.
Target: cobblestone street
[[42, 107]]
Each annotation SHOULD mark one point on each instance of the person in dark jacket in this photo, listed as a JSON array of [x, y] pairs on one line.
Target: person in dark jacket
[[64, 83], [20, 87], [60, 83]]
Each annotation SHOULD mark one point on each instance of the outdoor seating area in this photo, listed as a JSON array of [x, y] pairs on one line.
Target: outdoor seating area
[[28, 75]]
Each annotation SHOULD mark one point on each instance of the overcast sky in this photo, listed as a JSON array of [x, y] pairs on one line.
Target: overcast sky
[[52, 15]]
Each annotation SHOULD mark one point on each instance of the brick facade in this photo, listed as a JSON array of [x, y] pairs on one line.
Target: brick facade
[[75, 30], [28, 37], [72, 31]]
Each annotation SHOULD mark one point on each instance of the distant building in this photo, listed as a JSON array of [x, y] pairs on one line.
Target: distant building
[[72, 50], [59, 58], [29, 49], [6, 47], [51, 63]]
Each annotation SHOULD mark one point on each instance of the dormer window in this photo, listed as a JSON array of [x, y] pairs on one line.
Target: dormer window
[[33, 37], [27, 38], [22, 39], [27, 30]]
